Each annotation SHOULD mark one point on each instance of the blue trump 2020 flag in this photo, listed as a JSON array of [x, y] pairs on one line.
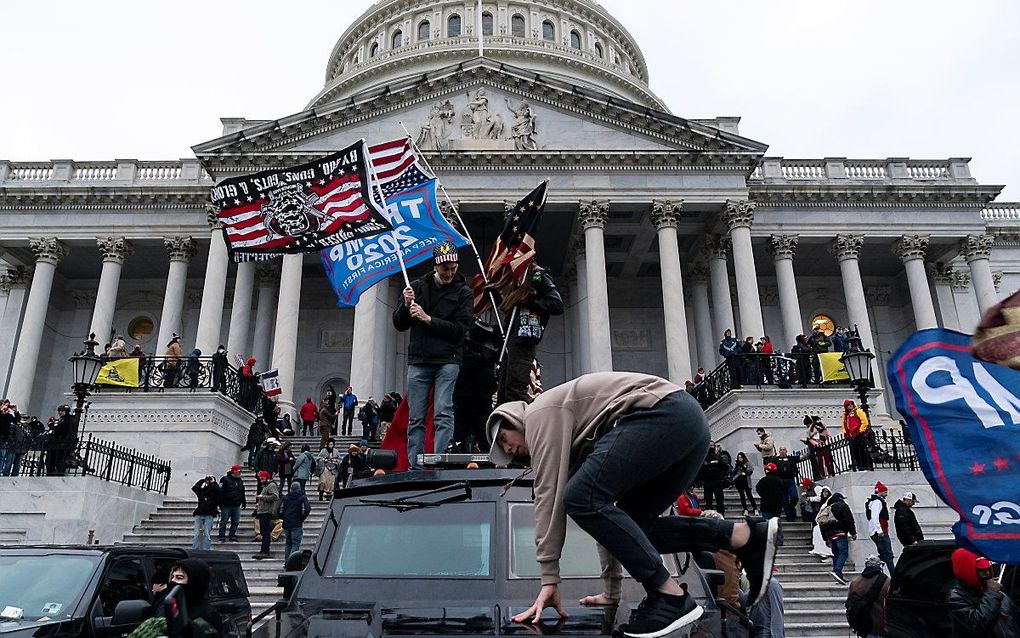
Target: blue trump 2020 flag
[[418, 225], [964, 420]]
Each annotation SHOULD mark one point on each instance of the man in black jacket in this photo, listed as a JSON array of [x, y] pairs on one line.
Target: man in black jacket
[[436, 308], [836, 523], [232, 501], [713, 473], [8, 417], [219, 370], [61, 444], [978, 608], [208, 493], [907, 529], [772, 491], [530, 307], [786, 469]]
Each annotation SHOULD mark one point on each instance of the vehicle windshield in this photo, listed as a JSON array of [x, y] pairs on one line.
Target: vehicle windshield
[[454, 540], [43, 587], [579, 558]]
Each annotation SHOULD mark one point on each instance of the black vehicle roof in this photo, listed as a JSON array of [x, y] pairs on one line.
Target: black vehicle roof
[[431, 479], [116, 550]]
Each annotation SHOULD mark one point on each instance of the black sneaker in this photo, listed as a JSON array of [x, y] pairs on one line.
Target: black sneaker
[[660, 614], [759, 556]]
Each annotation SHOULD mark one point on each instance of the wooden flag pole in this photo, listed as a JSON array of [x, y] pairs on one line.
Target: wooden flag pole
[[382, 197]]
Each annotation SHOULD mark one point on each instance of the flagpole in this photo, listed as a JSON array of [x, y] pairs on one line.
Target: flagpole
[[463, 226], [382, 198]]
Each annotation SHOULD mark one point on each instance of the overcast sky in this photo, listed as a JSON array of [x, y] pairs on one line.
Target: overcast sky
[[864, 79]]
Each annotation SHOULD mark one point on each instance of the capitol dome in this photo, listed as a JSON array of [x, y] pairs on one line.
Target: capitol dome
[[573, 40]]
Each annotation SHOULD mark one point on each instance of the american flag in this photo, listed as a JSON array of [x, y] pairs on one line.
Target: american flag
[[299, 209], [535, 379], [397, 167], [513, 252]]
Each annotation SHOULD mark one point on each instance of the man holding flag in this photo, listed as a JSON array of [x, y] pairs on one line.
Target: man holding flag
[[436, 308]]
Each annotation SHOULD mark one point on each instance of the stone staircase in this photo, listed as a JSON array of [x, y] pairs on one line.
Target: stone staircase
[[173, 524]]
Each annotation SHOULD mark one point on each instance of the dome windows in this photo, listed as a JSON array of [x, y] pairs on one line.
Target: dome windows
[[486, 23], [424, 30], [453, 26], [374, 51], [548, 31], [517, 27], [599, 53], [397, 40], [575, 40]]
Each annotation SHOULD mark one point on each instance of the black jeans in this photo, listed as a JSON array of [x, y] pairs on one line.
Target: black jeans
[[347, 426], [714, 498], [744, 490], [266, 531], [636, 471]]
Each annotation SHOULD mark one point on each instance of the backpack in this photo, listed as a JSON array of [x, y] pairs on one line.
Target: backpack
[[825, 516], [858, 608]]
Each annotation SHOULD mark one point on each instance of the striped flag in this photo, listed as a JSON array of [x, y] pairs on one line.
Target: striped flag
[[513, 252], [270, 380], [396, 167]]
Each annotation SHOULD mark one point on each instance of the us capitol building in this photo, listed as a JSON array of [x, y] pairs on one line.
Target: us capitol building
[[660, 231]]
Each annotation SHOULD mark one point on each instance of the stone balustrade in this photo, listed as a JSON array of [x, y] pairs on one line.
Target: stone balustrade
[[116, 172], [778, 170], [1001, 212]]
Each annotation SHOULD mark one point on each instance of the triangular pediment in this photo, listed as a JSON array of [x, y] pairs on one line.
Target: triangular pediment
[[483, 107]]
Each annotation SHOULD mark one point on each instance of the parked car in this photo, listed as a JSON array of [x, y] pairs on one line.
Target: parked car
[[72, 591], [916, 606], [452, 552]]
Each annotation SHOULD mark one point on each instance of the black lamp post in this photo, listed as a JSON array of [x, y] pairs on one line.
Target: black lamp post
[[85, 365], [857, 362]]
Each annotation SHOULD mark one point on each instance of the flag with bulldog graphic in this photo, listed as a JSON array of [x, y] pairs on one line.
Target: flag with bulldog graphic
[[301, 209]]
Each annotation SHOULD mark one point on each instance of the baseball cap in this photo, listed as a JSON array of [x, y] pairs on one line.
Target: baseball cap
[[771, 467], [982, 563], [235, 468], [911, 496], [264, 475]]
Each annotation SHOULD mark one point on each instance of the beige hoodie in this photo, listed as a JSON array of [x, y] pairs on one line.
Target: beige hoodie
[[561, 427]]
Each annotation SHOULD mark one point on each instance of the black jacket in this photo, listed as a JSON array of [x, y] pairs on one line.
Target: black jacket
[[441, 341], [844, 518], [772, 490], [907, 529], [208, 497], [294, 508], [991, 614], [714, 470], [7, 419], [786, 466], [232, 491], [219, 361]]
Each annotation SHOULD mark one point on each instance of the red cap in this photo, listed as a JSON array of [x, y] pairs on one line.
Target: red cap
[[982, 563], [771, 467], [879, 487], [806, 482], [264, 475], [235, 468]]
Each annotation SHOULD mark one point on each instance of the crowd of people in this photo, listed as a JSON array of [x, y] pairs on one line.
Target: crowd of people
[[55, 441]]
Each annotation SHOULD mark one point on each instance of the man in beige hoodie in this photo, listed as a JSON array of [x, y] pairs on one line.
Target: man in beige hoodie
[[613, 450]]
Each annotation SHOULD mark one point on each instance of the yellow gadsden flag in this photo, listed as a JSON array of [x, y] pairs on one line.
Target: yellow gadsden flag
[[123, 372], [832, 369]]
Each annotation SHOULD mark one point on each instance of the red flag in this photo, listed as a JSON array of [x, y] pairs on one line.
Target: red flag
[[396, 434]]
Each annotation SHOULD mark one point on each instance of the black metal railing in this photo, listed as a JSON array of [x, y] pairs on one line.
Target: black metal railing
[[882, 450], [755, 370], [156, 374], [46, 456]]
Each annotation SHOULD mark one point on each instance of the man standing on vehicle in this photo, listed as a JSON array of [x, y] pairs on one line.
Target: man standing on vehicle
[[977, 606], [877, 513], [613, 450], [232, 501], [436, 308], [907, 529]]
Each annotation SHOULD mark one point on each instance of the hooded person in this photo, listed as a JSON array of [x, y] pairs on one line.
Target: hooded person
[[855, 428], [865, 602], [172, 361], [192, 368], [194, 575], [977, 606], [219, 370], [613, 450], [294, 509], [837, 527], [771, 491]]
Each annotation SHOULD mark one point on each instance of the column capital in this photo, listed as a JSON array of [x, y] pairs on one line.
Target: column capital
[[593, 214], [180, 248], [666, 213], [997, 278], [783, 246], [212, 216], [910, 247], [17, 277], [5, 283], [717, 246], [266, 272], [846, 247], [961, 281], [739, 213], [115, 249], [943, 273], [49, 250], [699, 272], [974, 247]]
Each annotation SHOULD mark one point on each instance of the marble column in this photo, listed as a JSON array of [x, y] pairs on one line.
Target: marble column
[[180, 250], [942, 276], [977, 250], [581, 310], [240, 309], [366, 365], [210, 317], [15, 281], [393, 372], [847, 250], [666, 217], [268, 276], [911, 250], [783, 248], [287, 315], [703, 317], [114, 250], [739, 215], [48, 253], [722, 302], [593, 216]]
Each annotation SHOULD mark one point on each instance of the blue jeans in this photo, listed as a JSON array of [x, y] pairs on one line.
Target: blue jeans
[[3, 459], [292, 542], [420, 378], [884, 546], [203, 523], [840, 552], [233, 514], [635, 472], [790, 502]]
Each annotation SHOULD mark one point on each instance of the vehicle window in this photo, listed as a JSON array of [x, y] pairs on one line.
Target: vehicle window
[[579, 559], [227, 581], [449, 541], [162, 564], [44, 586], [125, 580], [930, 578]]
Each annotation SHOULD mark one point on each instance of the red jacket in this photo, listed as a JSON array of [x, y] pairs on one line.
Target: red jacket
[[309, 412], [686, 506]]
